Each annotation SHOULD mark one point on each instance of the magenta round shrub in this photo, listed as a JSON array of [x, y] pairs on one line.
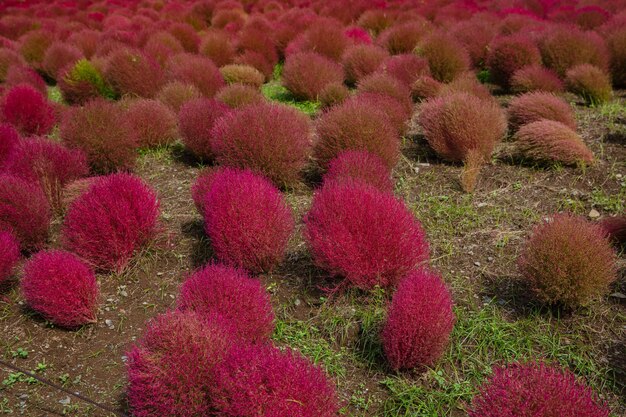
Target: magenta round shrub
[[272, 139], [362, 166], [61, 287], [234, 295], [247, 220], [536, 390], [28, 110], [9, 138], [419, 321], [305, 74], [112, 220], [9, 255], [196, 70], [263, 381], [405, 68], [171, 369], [24, 211], [196, 119], [154, 123], [363, 234]]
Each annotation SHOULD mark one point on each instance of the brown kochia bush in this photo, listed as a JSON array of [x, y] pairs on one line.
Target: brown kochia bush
[[306, 74], [461, 127], [447, 58], [548, 140], [333, 94], [154, 122], [568, 261], [508, 54], [565, 47], [239, 95], [134, 73], [532, 107], [589, 82], [242, 74]]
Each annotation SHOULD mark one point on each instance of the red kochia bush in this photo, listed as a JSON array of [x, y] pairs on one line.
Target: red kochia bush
[[61, 287], [134, 73], [333, 94], [9, 138], [272, 139], [532, 107], [384, 84], [361, 60], [406, 68], [356, 125], [589, 82], [154, 123], [263, 381], [101, 129], [536, 78], [9, 255], [28, 110], [446, 57], [565, 47], [536, 390], [196, 119], [403, 38], [24, 211], [58, 56], [171, 370], [616, 42], [218, 47], [307, 73], [234, 295], [419, 321], [509, 54], [196, 70], [176, 93], [362, 166], [615, 228], [114, 218], [363, 234], [568, 261], [548, 140], [22, 74], [247, 220]]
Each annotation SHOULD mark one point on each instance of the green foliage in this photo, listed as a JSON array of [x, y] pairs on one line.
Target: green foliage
[[85, 71]]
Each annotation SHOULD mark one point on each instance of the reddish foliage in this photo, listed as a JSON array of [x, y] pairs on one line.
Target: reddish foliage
[[232, 294], [239, 95], [196, 119], [333, 94], [161, 46], [82, 82], [325, 38], [536, 390], [476, 35], [263, 381], [403, 38], [535, 78], [358, 35], [590, 17], [446, 57], [425, 87], [21, 74], [61, 287], [247, 220], [258, 40], [27, 110], [186, 35], [398, 113], [58, 56], [568, 261], [307, 73], [9, 138], [272, 139], [100, 128], [467, 83], [589, 82], [196, 70], [565, 47], [361, 60], [134, 73], [176, 93], [86, 40], [508, 54], [113, 219], [154, 123], [532, 107], [406, 68], [9, 255], [362, 166], [384, 84], [616, 42], [258, 61], [419, 321], [242, 74], [365, 235], [375, 20], [615, 228], [8, 58], [33, 45], [217, 46]]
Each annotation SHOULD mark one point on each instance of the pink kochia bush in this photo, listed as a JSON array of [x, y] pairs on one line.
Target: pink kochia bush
[[28, 110], [24, 211], [419, 321], [61, 287], [9, 138], [536, 390], [171, 370], [113, 219], [9, 255], [263, 381], [234, 295], [247, 220], [272, 139], [362, 166], [196, 119], [365, 235]]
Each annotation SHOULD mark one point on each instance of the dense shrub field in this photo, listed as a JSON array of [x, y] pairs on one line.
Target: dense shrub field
[[313, 208]]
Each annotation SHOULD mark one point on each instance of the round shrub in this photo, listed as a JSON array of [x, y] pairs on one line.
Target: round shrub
[[405, 68], [33, 46], [258, 61], [363, 234], [24, 211], [195, 70], [131, 72], [28, 110], [232, 294], [425, 87], [361, 60], [446, 57], [551, 141], [333, 94], [467, 83], [532, 107], [508, 54], [536, 390], [196, 119], [161, 46], [23, 75], [9, 58], [176, 93], [61, 287], [356, 125], [272, 139], [475, 35], [536, 78], [362, 166], [419, 321], [186, 35], [154, 123], [247, 220], [101, 129], [218, 47], [9, 255], [306, 74], [402, 38], [616, 43], [568, 261], [325, 37], [239, 95], [242, 74], [565, 47], [589, 82], [58, 56], [171, 370], [263, 381], [9, 138], [201, 186], [398, 113], [82, 82], [48, 163], [113, 219], [615, 229], [381, 83]]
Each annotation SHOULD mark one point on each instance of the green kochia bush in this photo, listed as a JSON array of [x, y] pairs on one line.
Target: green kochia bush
[[83, 81]]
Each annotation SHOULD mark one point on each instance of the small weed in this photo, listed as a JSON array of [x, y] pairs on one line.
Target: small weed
[[20, 353]]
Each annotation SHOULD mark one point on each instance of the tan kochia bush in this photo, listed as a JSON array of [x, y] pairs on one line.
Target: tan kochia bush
[[242, 74], [589, 82]]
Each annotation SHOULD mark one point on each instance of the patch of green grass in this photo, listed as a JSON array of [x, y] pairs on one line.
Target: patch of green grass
[[614, 203], [275, 91]]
